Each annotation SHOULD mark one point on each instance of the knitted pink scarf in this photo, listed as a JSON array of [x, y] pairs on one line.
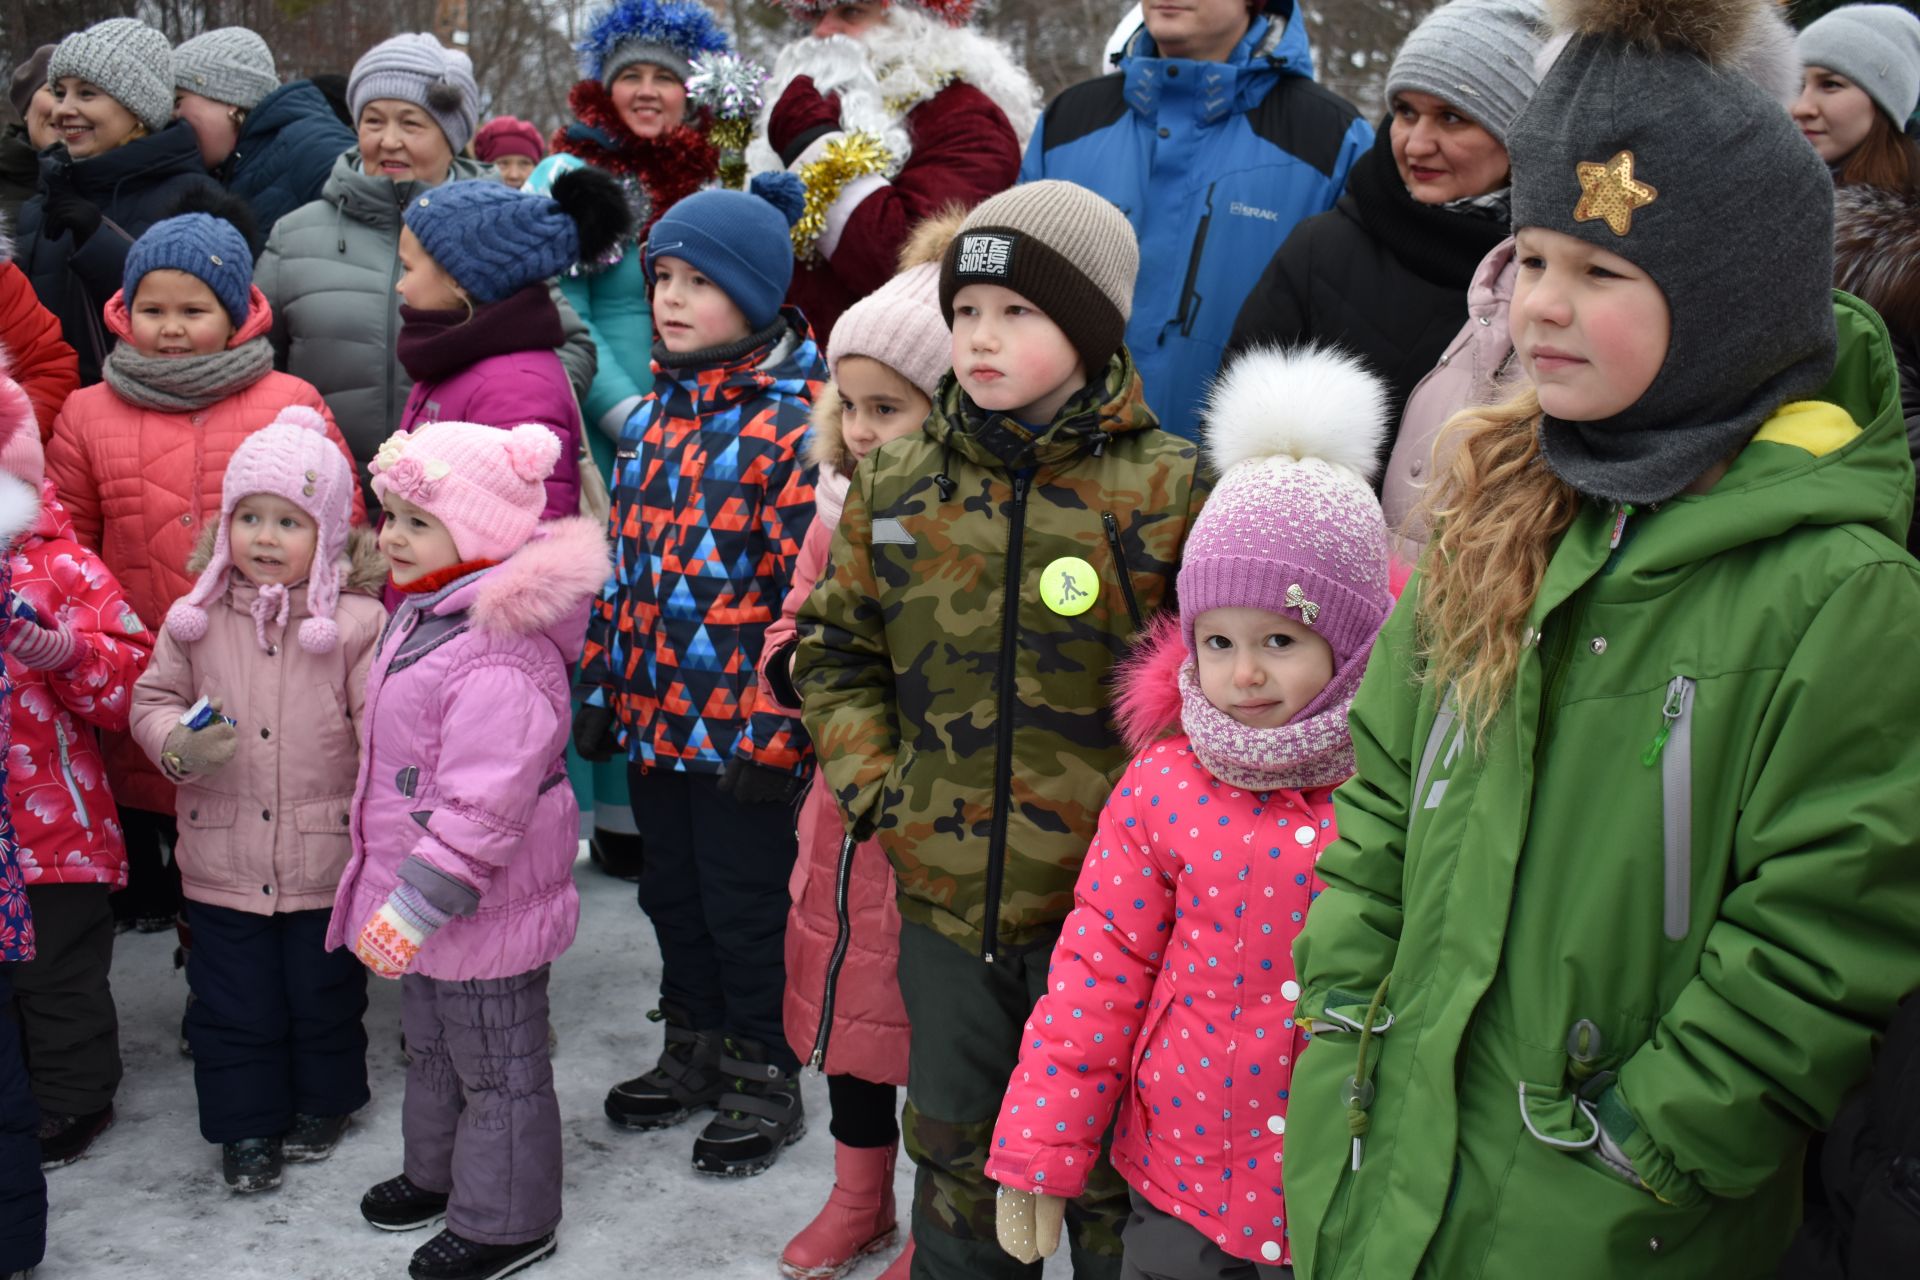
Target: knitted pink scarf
[[1314, 749]]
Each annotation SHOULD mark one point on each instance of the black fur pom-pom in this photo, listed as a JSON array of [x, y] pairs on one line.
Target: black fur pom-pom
[[444, 96], [208, 198], [598, 208]]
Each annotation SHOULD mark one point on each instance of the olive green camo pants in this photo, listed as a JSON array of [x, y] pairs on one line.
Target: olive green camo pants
[[967, 1018]]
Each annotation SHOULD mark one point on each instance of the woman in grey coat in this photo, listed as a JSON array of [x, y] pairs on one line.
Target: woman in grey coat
[[330, 266]]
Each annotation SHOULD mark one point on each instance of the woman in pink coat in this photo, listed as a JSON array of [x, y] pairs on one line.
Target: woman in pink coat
[[465, 831], [1171, 991], [478, 326], [842, 1008], [277, 634]]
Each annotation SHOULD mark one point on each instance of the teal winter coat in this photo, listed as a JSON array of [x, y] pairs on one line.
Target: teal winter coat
[[1675, 896]]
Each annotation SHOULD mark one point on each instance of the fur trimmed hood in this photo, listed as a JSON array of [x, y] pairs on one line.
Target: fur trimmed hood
[[543, 585], [1876, 253], [19, 509], [826, 441], [1146, 704], [367, 568], [893, 68]]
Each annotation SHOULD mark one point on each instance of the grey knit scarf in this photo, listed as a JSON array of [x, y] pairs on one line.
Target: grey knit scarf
[[181, 384]]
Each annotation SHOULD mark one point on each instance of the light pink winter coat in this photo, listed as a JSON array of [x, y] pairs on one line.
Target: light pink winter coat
[[465, 768], [1171, 996], [267, 833], [1475, 370]]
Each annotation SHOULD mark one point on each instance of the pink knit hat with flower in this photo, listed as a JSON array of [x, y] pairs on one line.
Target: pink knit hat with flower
[[486, 485], [1292, 525], [292, 458]]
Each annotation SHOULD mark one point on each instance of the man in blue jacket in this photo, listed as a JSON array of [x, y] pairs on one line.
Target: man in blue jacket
[[1214, 140]]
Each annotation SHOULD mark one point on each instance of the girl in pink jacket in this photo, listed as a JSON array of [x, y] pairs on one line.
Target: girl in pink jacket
[[465, 831], [842, 1008], [251, 706], [1170, 993]]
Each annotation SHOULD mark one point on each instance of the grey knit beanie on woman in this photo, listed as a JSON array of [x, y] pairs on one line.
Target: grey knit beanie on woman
[[127, 59], [1877, 46], [414, 67], [228, 64], [1477, 55]]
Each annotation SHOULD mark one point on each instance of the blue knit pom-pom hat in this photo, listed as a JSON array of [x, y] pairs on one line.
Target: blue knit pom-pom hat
[[210, 249], [670, 34], [495, 241], [740, 240]]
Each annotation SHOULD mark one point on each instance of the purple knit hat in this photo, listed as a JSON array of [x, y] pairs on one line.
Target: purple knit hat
[[1293, 526], [292, 458]]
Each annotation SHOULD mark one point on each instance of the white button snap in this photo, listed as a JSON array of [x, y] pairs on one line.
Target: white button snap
[[1270, 1251], [1276, 1124], [1303, 835], [1290, 989]]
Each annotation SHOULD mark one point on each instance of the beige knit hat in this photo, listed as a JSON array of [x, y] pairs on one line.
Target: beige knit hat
[[1064, 249]]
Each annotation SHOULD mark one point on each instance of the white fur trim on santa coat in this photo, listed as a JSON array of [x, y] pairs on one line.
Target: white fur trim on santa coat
[[903, 61]]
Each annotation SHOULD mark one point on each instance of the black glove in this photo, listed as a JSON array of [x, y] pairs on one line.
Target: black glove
[[593, 734], [68, 210], [750, 783], [778, 671]]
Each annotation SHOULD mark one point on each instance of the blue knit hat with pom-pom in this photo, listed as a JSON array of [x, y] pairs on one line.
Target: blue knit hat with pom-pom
[[495, 241], [670, 34], [738, 239]]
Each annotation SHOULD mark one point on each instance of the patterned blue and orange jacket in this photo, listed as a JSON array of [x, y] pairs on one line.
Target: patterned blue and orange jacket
[[712, 497]]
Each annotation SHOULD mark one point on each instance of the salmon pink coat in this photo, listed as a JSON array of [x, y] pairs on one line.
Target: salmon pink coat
[[1170, 997], [464, 768], [140, 486]]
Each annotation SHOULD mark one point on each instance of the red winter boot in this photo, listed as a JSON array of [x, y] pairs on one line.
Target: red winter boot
[[857, 1220], [902, 1266]]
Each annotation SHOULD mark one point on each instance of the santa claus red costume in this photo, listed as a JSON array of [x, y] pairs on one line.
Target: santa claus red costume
[[887, 125]]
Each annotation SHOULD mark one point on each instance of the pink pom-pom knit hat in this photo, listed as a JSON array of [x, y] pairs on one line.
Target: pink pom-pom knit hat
[[291, 458], [486, 485]]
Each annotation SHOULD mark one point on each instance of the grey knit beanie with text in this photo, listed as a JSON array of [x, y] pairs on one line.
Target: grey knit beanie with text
[[1477, 55], [128, 59], [228, 64]]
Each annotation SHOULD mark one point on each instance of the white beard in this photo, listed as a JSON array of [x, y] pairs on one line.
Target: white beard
[[920, 56]]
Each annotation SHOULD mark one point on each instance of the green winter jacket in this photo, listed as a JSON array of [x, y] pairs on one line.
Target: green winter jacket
[[974, 736], [1676, 896]]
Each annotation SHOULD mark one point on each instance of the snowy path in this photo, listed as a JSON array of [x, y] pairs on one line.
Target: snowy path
[[149, 1202]]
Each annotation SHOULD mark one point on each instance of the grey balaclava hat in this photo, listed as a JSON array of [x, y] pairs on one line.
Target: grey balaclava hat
[[1877, 46], [1477, 55], [1640, 142], [228, 64], [128, 59]]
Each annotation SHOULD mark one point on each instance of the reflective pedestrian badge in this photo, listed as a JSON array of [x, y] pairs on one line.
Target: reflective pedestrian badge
[[1069, 586]]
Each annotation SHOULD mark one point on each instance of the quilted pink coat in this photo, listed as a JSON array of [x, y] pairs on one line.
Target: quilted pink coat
[[870, 1034], [505, 391], [464, 766], [1170, 996]]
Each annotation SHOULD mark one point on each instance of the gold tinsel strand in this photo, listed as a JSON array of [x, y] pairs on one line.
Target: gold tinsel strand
[[730, 137], [857, 154]]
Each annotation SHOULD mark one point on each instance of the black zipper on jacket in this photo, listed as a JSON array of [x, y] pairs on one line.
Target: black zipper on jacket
[[1003, 751], [1184, 316], [1120, 564], [843, 879]]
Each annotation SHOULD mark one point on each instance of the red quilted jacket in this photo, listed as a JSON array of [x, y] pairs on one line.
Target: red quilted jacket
[[42, 363], [63, 811]]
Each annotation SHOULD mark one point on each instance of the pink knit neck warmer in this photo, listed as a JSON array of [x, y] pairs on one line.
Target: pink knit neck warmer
[[1314, 749]]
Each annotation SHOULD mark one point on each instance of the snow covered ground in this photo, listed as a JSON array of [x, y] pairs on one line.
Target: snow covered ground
[[149, 1202]]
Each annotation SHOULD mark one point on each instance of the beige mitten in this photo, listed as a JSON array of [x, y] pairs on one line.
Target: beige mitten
[[1028, 1223], [190, 752]]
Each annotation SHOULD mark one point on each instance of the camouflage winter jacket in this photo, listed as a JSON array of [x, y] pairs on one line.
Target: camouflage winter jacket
[[968, 729]]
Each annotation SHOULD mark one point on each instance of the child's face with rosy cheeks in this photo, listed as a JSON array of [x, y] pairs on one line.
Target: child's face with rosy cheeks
[[876, 404], [176, 314], [415, 542], [691, 312], [1259, 667], [1590, 328], [1010, 358], [271, 540]]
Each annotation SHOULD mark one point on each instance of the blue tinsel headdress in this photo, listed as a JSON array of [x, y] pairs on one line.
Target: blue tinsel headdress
[[685, 26]]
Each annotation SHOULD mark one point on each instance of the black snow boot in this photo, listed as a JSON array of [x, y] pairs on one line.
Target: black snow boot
[[398, 1205], [313, 1138], [686, 1079], [451, 1257], [252, 1164], [616, 853], [760, 1114], [65, 1138]]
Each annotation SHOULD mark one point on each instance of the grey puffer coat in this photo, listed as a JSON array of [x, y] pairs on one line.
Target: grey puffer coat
[[329, 269]]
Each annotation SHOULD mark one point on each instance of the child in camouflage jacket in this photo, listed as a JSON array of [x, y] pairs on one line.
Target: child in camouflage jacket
[[955, 661]]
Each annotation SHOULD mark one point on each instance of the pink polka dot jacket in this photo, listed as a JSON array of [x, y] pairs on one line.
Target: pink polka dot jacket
[[1171, 996]]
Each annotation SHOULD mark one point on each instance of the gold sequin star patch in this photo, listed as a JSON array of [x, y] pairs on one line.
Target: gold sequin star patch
[[1610, 191]]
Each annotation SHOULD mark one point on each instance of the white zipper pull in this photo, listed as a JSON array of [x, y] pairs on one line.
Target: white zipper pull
[[1619, 525]]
